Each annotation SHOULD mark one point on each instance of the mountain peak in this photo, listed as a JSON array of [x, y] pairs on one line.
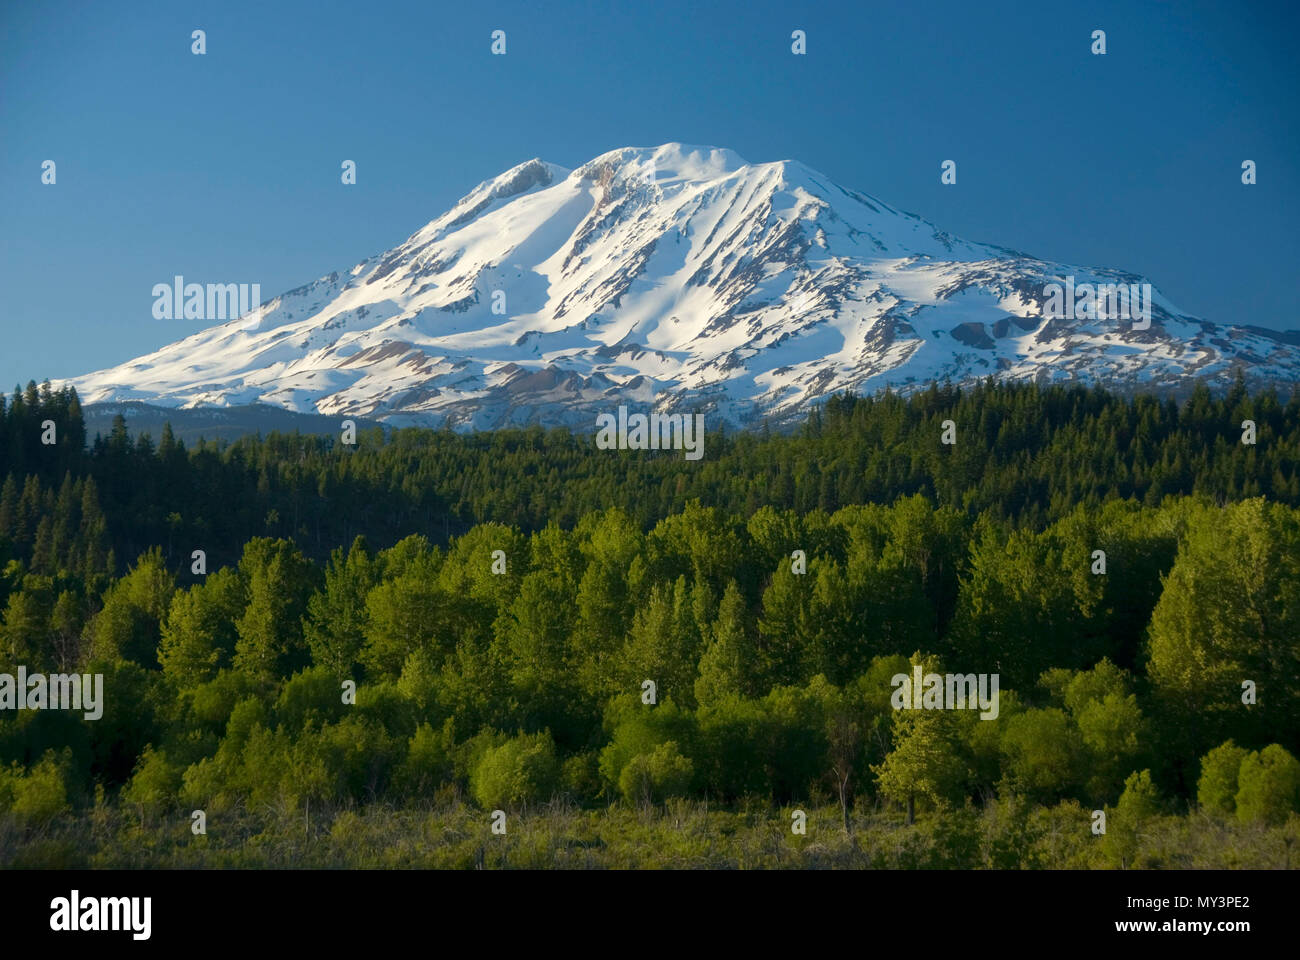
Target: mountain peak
[[518, 179], [676, 277], [669, 161]]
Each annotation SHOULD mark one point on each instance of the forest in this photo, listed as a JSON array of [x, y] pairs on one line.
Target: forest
[[514, 649]]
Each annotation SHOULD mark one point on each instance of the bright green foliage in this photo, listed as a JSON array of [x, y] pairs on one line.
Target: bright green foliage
[[1044, 753], [403, 614], [1110, 724], [1268, 786], [784, 628], [664, 643], [468, 574], [636, 728], [127, 627], [1216, 792], [224, 691], [655, 776], [1230, 612], [337, 616], [42, 793], [1139, 802], [1140, 798], [520, 772], [155, 783], [727, 666], [430, 759], [199, 636], [534, 636], [1020, 591], [928, 760], [279, 581], [310, 697]]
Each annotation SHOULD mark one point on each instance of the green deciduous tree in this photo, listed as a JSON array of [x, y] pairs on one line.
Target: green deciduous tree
[[1268, 785], [199, 636], [129, 625], [279, 581], [520, 772], [653, 777], [1216, 791], [928, 760], [1230, 613]]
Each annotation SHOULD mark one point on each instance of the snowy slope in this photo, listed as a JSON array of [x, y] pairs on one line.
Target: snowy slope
[[677, 277]]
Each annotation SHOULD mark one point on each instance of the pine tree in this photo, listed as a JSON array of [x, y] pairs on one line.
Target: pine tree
[[9, 508]]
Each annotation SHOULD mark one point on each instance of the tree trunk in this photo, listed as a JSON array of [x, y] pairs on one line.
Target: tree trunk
[[911, 809]]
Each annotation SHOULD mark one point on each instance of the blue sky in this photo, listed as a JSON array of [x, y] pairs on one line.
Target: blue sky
[[225, 167]]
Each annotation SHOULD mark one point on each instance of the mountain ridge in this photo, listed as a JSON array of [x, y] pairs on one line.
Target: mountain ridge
[[675, 277]]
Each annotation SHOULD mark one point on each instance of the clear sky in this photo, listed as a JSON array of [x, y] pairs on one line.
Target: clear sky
[[226, 167]]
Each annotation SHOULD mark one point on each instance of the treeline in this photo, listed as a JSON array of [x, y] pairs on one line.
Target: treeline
[[512, 668], [1024, 453], [646, 628]]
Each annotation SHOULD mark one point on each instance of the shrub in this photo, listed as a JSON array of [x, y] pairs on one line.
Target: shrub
[[42, 794], [1216, 791], [1268, 786], [653, 777], [521, 771], [155, 782]]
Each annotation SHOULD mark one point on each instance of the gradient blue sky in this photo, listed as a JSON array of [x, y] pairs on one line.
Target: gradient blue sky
[[225, 167]]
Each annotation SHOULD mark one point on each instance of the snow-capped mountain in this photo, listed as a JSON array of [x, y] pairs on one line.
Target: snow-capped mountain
[[673, 277]]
